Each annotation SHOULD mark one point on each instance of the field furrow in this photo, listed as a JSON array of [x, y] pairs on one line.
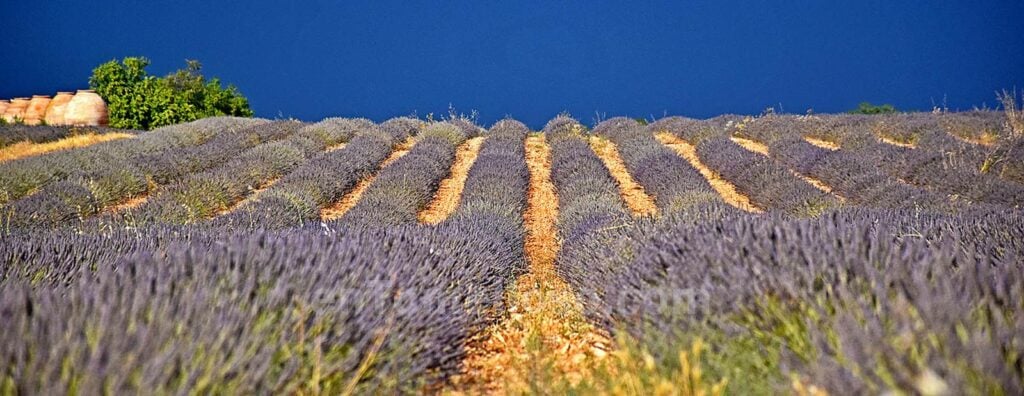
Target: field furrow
[[893, 142], [632, 192], [450, 191]]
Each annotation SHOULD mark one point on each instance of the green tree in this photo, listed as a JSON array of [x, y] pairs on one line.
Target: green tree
[[136, 100], [868, 108]]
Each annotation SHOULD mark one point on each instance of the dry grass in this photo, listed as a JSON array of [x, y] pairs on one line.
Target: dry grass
[[1014, 112], [338, 209], [28, 149], [760, 148], [450, 191], [725, 189], [825, 144], [545, 334], [633, 193]]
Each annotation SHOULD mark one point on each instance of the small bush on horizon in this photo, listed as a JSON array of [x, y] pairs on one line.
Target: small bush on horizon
[[137, 100], [868, 108]]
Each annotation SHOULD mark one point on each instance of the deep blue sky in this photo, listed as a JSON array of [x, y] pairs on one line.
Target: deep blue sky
[[531, 60]]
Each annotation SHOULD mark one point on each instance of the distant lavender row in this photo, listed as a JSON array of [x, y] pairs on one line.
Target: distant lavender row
[[769, 185], [204, 195], [938, 134], [20, 177], [11, 134], [926, 168], [298, 197], [677, 188], [404, 187], [189, 311], [85, 194], [861, 183]]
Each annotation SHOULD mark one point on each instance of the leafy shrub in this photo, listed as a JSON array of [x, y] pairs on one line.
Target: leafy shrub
[[868, 108], [136, 100]]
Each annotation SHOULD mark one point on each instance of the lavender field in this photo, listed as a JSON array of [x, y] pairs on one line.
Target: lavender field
[[778, 254]]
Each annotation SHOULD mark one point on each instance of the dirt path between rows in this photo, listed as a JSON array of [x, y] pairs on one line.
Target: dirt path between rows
[[449, 192], [637, 200], [545, 334]]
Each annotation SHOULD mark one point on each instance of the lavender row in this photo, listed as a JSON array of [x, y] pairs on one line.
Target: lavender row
[[298, 197], [404, 187], [768, 184], [937, 136], [677, 188], [11, 134], [589, 210], [928, 169], [20, 177], [494, 195], [588, 198], [860, 183], [68, 201], [204, 195], [180, 311], [993, 149], [857, 301], [1002, 153]]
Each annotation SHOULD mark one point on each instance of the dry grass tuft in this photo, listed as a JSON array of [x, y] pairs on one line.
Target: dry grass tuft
[[350, 199], [450, 191], [28, 149], [545, 334], [633, 193], [1014, 113], [825, 144], [725, 189]]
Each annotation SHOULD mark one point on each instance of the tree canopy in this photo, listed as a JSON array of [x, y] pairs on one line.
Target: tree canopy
[[137, 100]]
